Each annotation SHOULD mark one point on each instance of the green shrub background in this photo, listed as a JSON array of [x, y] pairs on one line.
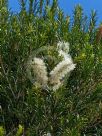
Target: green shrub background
[[76, 108]]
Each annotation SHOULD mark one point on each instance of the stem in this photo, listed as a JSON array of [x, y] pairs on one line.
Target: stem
[[54, 117], [2, 66]]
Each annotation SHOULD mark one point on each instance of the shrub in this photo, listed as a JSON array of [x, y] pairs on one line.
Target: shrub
[[75, 109]]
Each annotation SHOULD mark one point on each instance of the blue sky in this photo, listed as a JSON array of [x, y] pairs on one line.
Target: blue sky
[[68, 6]]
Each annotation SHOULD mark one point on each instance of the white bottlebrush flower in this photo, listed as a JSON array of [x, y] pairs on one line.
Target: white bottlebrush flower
[[64, 55], [63, 49], [63, 68], [63, 46], [37, 72], [59, 72]]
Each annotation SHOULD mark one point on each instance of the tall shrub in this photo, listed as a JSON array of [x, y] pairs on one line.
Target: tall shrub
[[75, 109]]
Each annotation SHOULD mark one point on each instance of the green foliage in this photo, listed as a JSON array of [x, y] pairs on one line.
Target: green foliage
[[19, 131], [76, 108], [2, 131]]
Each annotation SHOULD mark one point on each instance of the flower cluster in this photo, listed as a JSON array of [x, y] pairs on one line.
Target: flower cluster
[[58, 73], [56, 76], [64, 67], [39, 71]]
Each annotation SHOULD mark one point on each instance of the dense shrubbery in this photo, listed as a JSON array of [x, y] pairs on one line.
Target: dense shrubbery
[[76, 108]]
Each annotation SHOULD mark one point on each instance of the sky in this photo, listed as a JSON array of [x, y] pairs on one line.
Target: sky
[[68, 5]]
